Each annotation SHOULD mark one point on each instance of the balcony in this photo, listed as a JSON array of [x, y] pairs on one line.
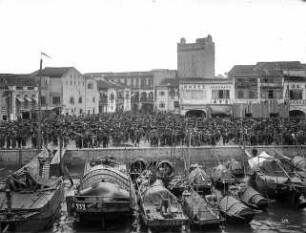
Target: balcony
[[298, 102], [221, 101]]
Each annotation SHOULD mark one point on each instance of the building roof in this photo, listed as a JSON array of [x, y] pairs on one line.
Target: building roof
[[106, 85], [275, 69], [53, 72], [295, 79], [242, 70], [18, 80], [280, 65], [119, 74], [173, 82]]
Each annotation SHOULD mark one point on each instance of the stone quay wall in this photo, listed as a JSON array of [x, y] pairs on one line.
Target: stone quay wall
[[208, 156]]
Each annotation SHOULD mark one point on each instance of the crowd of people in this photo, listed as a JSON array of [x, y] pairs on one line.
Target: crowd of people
[[155, 129]]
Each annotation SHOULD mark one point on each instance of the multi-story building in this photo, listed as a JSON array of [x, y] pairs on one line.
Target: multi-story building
[[113, 97], [63, 88], [19, 97], [205, 97], [196, 59], [91, 96], [167, 96], [269, 89]]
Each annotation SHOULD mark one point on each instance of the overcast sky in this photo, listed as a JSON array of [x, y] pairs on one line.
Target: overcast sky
[[140, 35]]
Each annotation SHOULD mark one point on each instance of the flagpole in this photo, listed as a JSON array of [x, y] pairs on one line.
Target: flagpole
[[39, 105]]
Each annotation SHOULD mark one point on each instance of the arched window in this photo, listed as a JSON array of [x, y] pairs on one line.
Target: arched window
[[80, 100], [143, 96], [71, 101], [90, 86], [151, 96], [112, 97]]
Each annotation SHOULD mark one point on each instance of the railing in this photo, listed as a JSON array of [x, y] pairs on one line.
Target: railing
[[221, 101], [299, 102]]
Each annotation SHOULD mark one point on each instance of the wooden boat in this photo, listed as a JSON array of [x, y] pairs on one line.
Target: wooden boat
[[235, 167], [248, 196], [276, 179], [30, 201], [221, 176], [235, 211], [299, 162], [199, 211], [160, 209], [197, 179], [105, 192]]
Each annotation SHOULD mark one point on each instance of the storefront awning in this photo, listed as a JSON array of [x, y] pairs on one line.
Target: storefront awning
[[227, 110], [21, 100]]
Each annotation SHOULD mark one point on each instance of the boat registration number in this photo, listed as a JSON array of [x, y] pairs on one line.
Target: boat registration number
[[80, 207]]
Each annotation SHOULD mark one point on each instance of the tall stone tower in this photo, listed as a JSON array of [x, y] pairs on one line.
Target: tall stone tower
[[196, 59]]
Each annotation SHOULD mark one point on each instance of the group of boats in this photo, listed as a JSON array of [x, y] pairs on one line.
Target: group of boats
[[160, 196]]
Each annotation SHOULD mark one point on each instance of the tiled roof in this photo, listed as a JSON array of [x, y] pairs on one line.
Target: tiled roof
[[295, 79], [53, 71], [119, 74], [169, 82], [242, 70], [105, 85], [18, 80], [280, 65]]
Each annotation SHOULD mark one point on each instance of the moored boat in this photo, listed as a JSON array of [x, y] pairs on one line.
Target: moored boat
[[105, 192], [199, 211], [248, 196], [235, 211], [276, 179], [160, 209], [30, 201], [221, 176], [199, 180]]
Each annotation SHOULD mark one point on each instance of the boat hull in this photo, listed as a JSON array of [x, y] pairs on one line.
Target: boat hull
[[36, 220]]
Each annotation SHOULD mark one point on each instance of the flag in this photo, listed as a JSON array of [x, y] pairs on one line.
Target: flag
[[44, 54]]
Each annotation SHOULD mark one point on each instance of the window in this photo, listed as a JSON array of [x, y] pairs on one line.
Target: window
[[161, 105], [176, 104], [71, 100], [93, 99], [43, 100], [56, 100], [296, 94], [161, 93], [252, 95], [19, 88], [270, 94], [30, 88], [80, 100], [240, 94], [90, 86]]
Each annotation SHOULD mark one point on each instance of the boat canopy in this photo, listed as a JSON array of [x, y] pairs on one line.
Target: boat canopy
[[197, 176], [101, 173], [154, 193], [257, 160]]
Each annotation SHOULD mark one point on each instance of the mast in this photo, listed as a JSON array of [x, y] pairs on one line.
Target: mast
[[39, 106]]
